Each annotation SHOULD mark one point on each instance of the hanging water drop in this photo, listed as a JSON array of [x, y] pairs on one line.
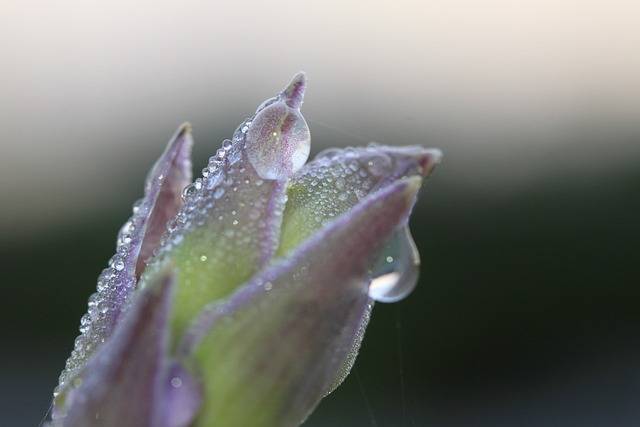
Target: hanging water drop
[[395, 274]]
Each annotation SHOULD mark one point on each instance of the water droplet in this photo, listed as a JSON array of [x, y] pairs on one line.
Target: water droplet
[[395, 274], [219, 192], [103, 307], [278, 143], [189, 191], [203, 258], [172, 225], [176, 382], [118, 265], [226, 144], [137, 205]]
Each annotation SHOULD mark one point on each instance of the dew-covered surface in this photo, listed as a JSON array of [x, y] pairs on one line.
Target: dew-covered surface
[[229, 225], [134, 242], [226, 226], [279, 341], [334, 182], [337, 179], [224, 233]]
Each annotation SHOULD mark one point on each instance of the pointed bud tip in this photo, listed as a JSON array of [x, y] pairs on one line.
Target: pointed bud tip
[[429, 159], [184, 129], [294, 93]]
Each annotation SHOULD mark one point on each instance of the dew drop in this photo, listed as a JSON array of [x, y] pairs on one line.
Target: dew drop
[[189, 191], [137, 205], [219, 192], [395, 274], [278, 143], [176, 382]]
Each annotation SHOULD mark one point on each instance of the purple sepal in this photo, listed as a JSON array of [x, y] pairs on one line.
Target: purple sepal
[[316, 298], [136, 241], [124, 383]]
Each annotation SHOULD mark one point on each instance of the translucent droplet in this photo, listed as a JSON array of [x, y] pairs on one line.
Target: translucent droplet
[[189, 191], [118, 265], [395, 274], [278, 141], [137, 205], [176, 382], [219, 192]]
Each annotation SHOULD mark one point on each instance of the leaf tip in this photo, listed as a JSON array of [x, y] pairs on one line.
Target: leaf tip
[[294, 92]]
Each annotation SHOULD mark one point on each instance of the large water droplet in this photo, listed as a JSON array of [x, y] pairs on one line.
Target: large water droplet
[[278, 141], [395, 273]]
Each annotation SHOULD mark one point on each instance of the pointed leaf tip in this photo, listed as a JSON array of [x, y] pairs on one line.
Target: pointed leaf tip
[[428, 159], [294, 92], [137, 240]]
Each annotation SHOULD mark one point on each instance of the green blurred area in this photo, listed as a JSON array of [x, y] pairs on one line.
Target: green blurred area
[[526, 313]]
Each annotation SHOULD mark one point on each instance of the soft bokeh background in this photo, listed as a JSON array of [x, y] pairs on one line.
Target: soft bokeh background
[[528, 311]]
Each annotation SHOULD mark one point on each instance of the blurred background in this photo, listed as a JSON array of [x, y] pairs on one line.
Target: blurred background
[[528, 309]]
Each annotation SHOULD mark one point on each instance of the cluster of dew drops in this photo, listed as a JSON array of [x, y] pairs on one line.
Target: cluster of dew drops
[[339, 174], [200, 196], [115, 284]]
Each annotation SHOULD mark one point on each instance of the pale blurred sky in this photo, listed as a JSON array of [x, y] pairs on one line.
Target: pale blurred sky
[[511, 90]]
